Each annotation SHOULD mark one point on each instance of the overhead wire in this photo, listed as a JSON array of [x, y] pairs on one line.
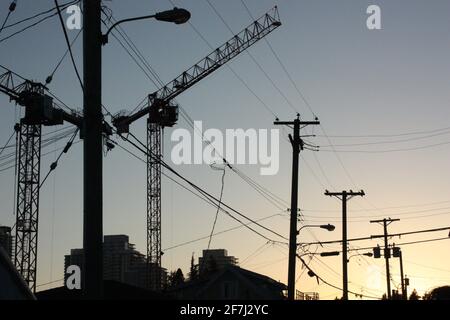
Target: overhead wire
[[55, 163], [186, 116], [218, 208], [303, 98], [146, 151], [6, 144], [209, 197], [33, 24], [393, 235], [65, 5], [231, 69], [11, 9], [253, 58], [319, 278], [50, 77], [69, 47]]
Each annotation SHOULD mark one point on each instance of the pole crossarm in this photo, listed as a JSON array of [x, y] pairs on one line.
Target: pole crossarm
[[388, 221], [350, 194], [344, 196]]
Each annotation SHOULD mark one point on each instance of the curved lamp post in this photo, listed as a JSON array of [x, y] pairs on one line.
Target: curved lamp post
[[328, 227], [176, 15], [367, 254]]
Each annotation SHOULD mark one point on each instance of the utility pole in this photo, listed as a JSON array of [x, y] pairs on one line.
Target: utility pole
[[387, 253], [402, 276], [406, 287], [92, 157], [344, 196], [297, 145], [397, 253]]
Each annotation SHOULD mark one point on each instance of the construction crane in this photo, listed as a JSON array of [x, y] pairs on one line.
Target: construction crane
[[39, 110], [162, 112]]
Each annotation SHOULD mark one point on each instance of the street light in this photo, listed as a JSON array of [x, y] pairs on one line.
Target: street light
[[328, 227], [367, 254], [176, 15], [329, 254], [336, 253]]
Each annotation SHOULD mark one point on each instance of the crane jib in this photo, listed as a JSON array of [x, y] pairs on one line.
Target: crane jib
[[213, 61]]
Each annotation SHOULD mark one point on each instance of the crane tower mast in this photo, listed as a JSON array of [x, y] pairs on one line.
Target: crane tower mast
[[162, 113]]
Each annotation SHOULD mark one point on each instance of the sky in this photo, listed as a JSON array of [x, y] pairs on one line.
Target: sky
[[381, 97]]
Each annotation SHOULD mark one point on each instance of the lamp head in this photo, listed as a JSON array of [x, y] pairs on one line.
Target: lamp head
[[176, 15]]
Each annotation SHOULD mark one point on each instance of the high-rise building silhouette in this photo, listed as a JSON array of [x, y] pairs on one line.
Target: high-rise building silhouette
[[6, 240], [121, 262], [215, 259]]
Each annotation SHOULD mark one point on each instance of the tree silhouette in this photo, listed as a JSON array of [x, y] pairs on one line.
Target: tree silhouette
[[175, 278], [440, 293], [414, 295], [193, 273]]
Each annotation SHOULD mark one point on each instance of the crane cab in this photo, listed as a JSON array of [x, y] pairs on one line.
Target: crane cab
[[165, 115]]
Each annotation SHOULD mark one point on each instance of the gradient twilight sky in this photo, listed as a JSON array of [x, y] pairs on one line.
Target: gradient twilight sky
[[358, 82]]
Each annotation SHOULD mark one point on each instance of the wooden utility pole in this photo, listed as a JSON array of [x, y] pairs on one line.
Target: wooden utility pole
[[387, 254], [344, 196], [92, 157], [297, 145]]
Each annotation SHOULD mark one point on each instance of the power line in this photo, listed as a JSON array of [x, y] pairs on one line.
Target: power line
[[55, 163], [66, 37], [6, 144], [129, 53], [184, 114], [253, 58], [11, 8], [329, 284], [162, 172], [232, 70], [219, 233], [388, 142], [381, 236], [47, 283], [202, 191], [9, 158], [389, 150], [218, 207], [393, 215], [65, 5], [33, 24], [14, 160], [389, 135], [255, 253], [384, 208], [134, 137], [302, 96], [50, 77], [209, 198], [128, 42], [405, 243]]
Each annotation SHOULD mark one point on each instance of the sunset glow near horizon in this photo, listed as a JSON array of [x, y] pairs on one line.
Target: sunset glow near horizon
[[382, 97]]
